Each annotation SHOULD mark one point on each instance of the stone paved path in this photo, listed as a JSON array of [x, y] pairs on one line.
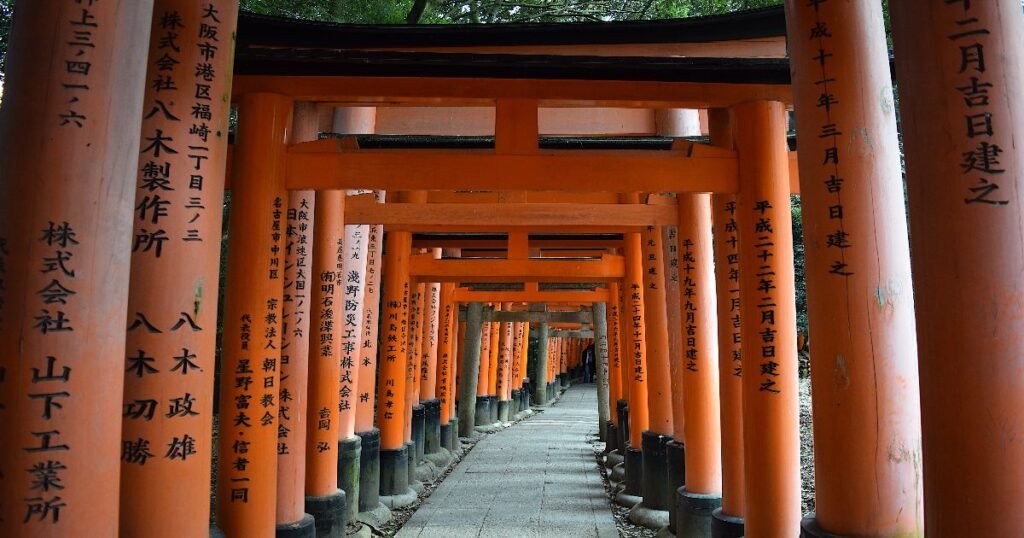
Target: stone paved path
[[535, 479]]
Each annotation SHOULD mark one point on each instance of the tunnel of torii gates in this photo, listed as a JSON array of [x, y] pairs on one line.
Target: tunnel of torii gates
[[410, 205]]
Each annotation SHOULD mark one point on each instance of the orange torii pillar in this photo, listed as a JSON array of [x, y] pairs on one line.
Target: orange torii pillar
[[428, 370], [960, 72], [470, 365], [727, 521], [69, 140], [492, 369], [324, 500], [248, 429], [503, 377], [702, 492], [351, 289], [482, 414], [613, 446], [391, 409], [414, 427], [539, 379], [771, 433], [448, 317], [520, 348], [295, 323], [633, 300], [460, 347], [658, 494], [171, 304], [370, 507], [860, 300]]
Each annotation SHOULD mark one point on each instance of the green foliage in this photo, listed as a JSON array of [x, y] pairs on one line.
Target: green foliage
[[6, 13]]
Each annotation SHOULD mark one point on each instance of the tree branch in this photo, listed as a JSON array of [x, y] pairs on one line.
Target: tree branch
[[416, 13]]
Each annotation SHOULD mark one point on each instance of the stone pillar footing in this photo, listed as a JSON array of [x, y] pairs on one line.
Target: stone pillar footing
[[411, 462], [369, 470], [515, 404], [215, 532], [303, 528], [655, 489], [611, 437], [676, 458], [394, 478], [446, 437], [492, 409], [349, 476], [328, 514], [809, 528], [503, 410], [634, 468], [693, 513], [622, 408], [418, 431], [483, 416], [431, 426], [725, 526]]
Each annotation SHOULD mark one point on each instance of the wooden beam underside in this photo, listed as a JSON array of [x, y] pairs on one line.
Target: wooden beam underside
[[327, 164], [454, 91], [465, 295], [533, 217], [424, 267]]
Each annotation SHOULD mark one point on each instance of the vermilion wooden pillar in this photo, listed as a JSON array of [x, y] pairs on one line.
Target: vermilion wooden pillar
[[448, 314], [172, 303], [771, 433], [324, 500], [730, 359], [69, 146], [247, 476], [503, 374], [614, 352], [428, 366], [960, 72], [295, 327], [482, 415], [860, 301]]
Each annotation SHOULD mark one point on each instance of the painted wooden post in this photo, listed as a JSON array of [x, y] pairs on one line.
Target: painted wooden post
[[540, 377], [69, 145], [728, 520], [247, 477], [633, 299], [448, 313], [771, 433], [172, 302], [860, 299], [297, 303], [960, 72]]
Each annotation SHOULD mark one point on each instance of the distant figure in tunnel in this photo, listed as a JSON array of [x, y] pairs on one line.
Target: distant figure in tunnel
[[588, 364]]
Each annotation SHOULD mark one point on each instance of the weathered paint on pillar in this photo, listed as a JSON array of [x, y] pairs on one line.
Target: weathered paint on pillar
[[659, 380], [673, 312], [700, 346], [614, 351], [327, 283], [771, 432], [391, 409], [494, 349], [448, 314], [172, 304], [485, 353], [503, 376], [860, 300], [633, 299], [69, 145], [351, 288], [295, 324], [730, 358], [960, 72], [367, 381]]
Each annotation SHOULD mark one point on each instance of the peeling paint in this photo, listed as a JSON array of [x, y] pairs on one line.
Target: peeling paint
[[197, 298], [886, 100], [840, 374]]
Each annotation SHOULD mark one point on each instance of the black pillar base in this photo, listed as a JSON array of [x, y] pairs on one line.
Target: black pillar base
[[656, 492], [516, 403], [216, 532], [394, 471], [611, 442], [431, 426], [503, 410], [634, 472], [446, 436], [524, 395], [693, 513], [349, 454], [492, 408], [303, 528], [725, 526], [622, 408], [419, 420], [809, 528], [369, 470], [676, 472], [411, 462], [551, 392], [483, 415], [329, 514]]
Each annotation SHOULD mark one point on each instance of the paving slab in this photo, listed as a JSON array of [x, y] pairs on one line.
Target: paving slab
[[536, 478]]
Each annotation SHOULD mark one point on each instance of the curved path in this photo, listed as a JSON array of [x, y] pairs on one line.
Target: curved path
[[538, 478]]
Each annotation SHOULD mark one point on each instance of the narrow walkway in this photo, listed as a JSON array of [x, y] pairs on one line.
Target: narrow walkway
[[535, 479]]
